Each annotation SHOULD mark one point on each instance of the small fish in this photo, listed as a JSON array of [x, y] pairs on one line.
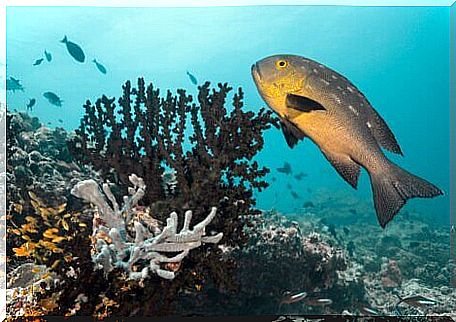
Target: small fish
[[318, 302], [353, 211], [274, 179], [30, 104], [293, 298], [367, 310], [48, 56], [314, 101], [100, 67], [74, 50], [192, 78], [346, 230], [417, 301], [38, 62], [60, 120], [53, 98], [300, 175], [286, 168], [294, 195], [13, 84], [289, 187]]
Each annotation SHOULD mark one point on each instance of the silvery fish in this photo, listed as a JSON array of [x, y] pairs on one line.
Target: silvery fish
[[293, 298], [314, 101], [418, 301]]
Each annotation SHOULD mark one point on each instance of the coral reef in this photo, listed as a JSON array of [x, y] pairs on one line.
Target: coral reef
[[124, 251], [209, 148]]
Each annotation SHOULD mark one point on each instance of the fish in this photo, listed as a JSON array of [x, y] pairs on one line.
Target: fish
[[367, 310], [286, 168], [346, 230], [300, 175], [100, 67], [352, 211], [13, 84], [74, 50], [294, 195], [293, 298], [48, 56], [318, 302], [192, 78], [53, 98], [38, 62], [60, 120], [289, 187], [417, 301], [31, 103], [274, 179], [316, 102]]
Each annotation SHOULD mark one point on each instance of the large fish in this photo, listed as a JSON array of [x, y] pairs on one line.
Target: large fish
[[314, 101]]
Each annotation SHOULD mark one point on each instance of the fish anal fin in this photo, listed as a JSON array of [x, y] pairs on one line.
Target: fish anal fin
[[348, 169], [382, 133], [303, 104], [291, 132]]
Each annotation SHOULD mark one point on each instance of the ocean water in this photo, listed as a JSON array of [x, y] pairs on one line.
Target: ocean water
[[397, 56]]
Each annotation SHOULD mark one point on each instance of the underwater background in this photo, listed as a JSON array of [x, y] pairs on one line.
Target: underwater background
[[399, 57]]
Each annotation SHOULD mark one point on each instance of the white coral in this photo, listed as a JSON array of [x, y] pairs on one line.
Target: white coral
[[124, 251]]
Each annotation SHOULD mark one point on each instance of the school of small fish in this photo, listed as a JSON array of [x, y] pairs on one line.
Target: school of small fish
[[77, 53]]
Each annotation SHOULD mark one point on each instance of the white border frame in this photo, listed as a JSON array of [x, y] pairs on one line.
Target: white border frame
[[190, 3]]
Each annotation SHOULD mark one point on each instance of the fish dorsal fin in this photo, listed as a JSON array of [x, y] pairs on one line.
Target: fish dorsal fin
[[291, 132], [382, 133], [347, 168], [303, 104]]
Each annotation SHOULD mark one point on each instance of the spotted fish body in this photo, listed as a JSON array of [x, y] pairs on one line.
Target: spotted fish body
[[315, 101]]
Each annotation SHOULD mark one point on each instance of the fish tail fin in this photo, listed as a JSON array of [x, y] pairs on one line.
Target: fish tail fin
[[64, 40], [392, 189]]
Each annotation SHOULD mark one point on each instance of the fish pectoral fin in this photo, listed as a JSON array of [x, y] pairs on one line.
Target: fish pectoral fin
[[291, 132], [348, 169], [303, 104]]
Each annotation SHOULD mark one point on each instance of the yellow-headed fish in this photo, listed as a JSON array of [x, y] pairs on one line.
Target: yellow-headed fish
[[314, 101]]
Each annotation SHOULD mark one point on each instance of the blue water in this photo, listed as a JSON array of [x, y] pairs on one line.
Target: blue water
[[398, 57]]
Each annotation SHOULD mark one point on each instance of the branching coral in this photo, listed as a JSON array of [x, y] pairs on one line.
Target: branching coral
[[209, 148], [114, 246]]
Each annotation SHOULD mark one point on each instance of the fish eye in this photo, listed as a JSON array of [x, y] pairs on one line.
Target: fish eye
[[281, 63]]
